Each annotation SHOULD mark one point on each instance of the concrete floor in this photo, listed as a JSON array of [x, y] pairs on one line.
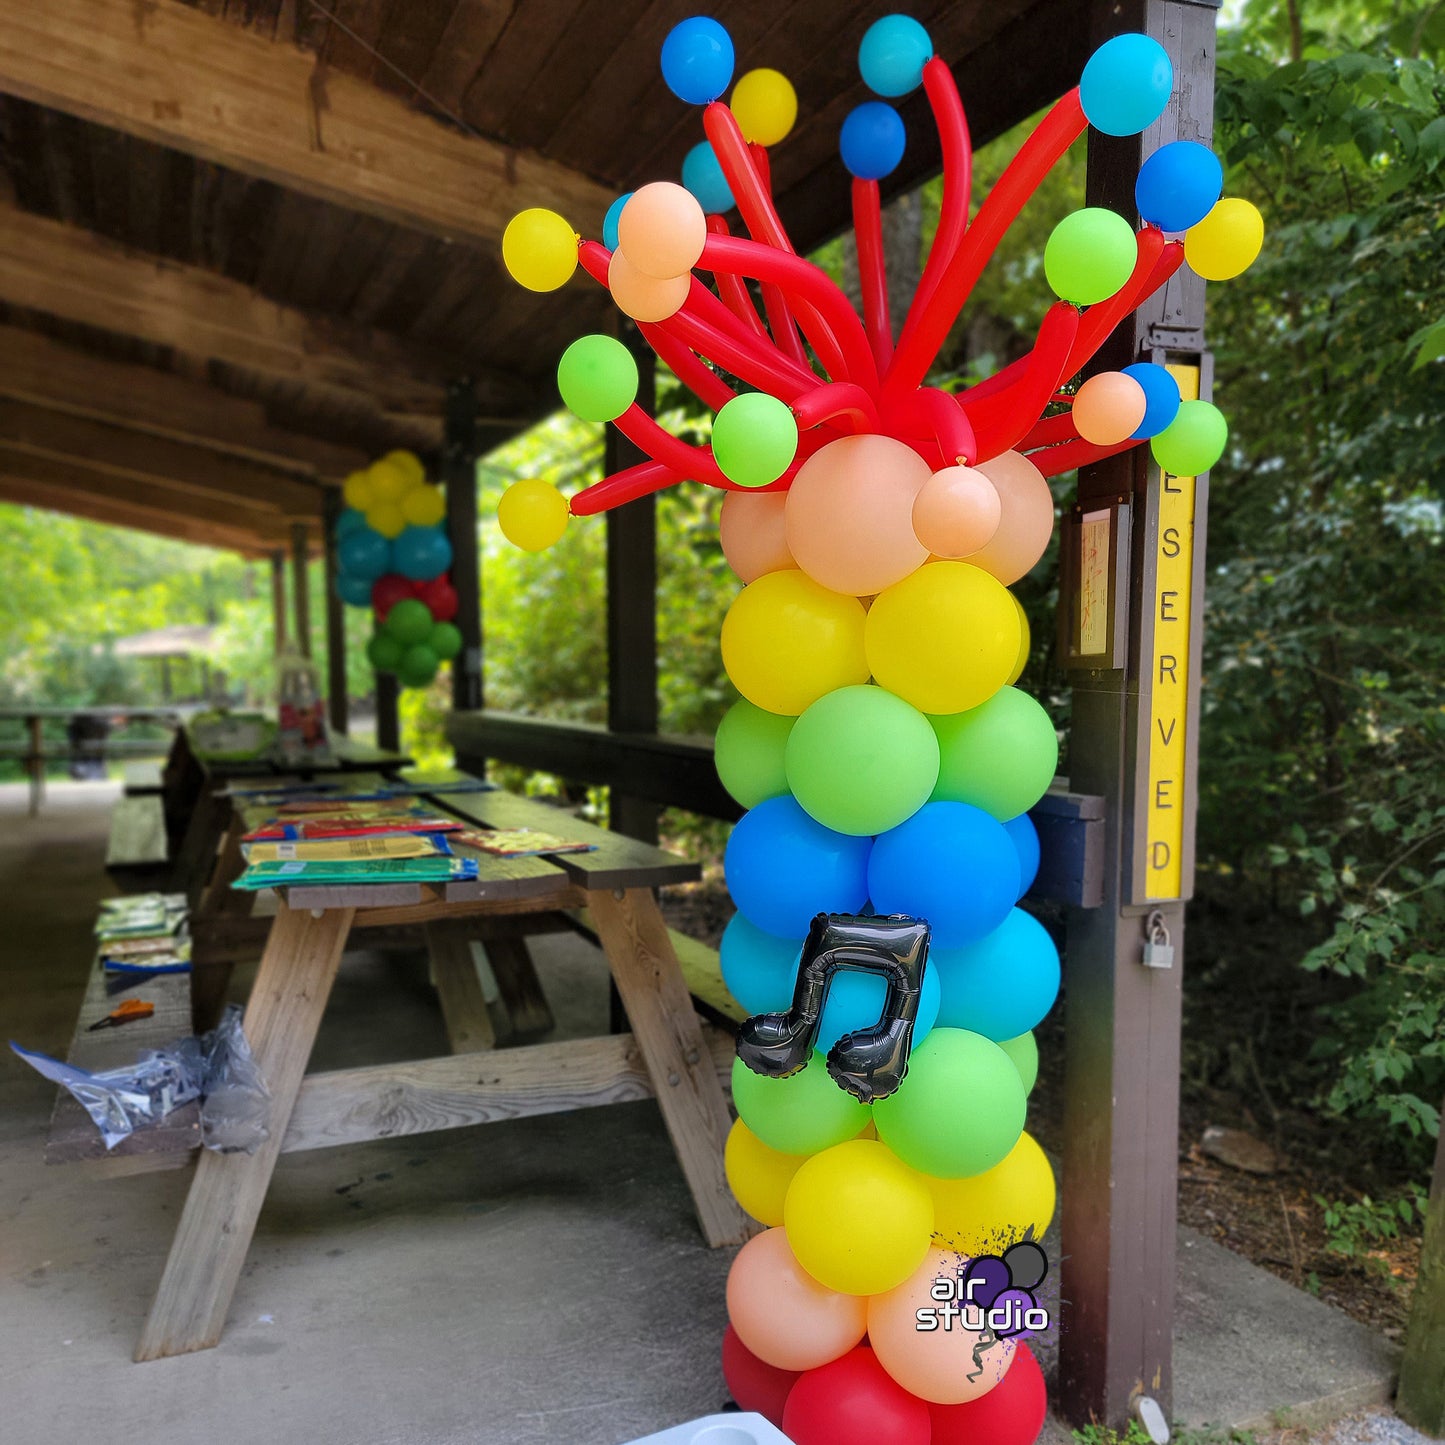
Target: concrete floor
[[520, 1283]]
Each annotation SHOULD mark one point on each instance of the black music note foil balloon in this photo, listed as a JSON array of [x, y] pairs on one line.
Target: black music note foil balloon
[[869, 1063]]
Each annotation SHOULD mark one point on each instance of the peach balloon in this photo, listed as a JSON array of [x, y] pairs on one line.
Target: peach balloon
[[642, 297], [850, 514], [1108, 408], [782, 1314], [752, 529], [662, 230], [1027, 522], [956, 512], [937, 1365]]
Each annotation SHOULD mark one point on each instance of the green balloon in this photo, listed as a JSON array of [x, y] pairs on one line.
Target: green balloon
[[748, 753], [801, 1114], [861, 760], [418, 666], [445, 640], [959, 1110], [754, 438], [1193, 441], [1000, 756], [383, 652], [1024, 1051], [1090, 254], [409, 621], [597, 377]]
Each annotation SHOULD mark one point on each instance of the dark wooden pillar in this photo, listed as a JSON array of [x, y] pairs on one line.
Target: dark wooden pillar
[[388, 717], [338, 712], [632, 602], [278, 602], [1123, 1017], [300, 590], [459, 472]]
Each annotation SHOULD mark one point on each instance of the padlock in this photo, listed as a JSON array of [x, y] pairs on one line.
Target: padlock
[[1158, 951]]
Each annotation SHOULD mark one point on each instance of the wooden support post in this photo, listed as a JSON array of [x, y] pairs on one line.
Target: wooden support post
[[300, 589], [35, 761], [278, 602], [1122, 1075], [632, 602], [459, 472], [388, 718], [1421, 1398], [338, 710]]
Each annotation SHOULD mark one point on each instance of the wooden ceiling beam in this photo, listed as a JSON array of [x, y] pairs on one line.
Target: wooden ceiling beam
[[40, 369], [171, 74]]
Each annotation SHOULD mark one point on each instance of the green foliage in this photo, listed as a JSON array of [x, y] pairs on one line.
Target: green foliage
[[1359, 1230]]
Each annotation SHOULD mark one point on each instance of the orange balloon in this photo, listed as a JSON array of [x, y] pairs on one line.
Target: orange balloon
[[642, 297], [782, 1314], [937, 1365], [752, 531], [1027, 522], [662, 230], [850, 514], [956, 512], [1108, 408]]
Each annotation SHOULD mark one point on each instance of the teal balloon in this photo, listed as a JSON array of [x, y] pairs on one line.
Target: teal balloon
[[748, 753], [1003, 984], [1193, 441], [364, 553], [1000, 756], [445, 640], [409, 621], [350, 520], [754, 438], [758, 968], [861, 760], [418, 666], [355, 591], [1126, 84]]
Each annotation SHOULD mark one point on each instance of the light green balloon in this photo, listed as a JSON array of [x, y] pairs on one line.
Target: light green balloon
[[1000, 756], [597, 377], [959, 1110], [861, 760], [754, 438], [801, 1114], [1193, 441], [748, 752], [1090, 254], [1024, 1051]]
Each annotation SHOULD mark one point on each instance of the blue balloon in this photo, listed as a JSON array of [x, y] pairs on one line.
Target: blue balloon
[[950, 863], [782, 868], [1126, 84], [702, 174], [1161, 397], [1001, 985], [1025, 838], [610, 220], [872, 140], [353, 590], [349, 521], [697, 60], [364, 553], [892, 55], [1178, 185], [422, 553]]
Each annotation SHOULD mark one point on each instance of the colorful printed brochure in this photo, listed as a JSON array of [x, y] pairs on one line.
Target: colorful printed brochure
[[365, 871], [518, 842], [354, 821], [345, 850]]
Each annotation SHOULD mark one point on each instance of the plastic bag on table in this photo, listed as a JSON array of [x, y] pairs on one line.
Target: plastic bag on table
[[235, 1101]]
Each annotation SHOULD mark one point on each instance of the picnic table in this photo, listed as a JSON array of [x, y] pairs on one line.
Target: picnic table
[[670, 1053]]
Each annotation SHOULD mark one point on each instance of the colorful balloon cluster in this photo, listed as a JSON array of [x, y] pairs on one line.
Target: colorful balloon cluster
[[392, 555], [884, 754]]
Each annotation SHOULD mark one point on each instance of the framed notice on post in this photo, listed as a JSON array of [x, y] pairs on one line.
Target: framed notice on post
[[1094, 587]]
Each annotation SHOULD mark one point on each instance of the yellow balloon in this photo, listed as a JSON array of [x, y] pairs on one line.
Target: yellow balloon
[[859, 1220], [386, 518], [539, 249], [388, 481], [757, 1175], [424, 506], [944, 638], [357, 490], [533, 514], [409, 465], [787, 640], [988, 1212], [1225, 243], [765, 105], [1025, 642]]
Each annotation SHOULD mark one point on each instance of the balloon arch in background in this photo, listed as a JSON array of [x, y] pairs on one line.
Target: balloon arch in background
[[886, 760]]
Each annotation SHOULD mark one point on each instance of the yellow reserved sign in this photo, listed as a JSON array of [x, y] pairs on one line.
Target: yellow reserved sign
[[1164, 809]]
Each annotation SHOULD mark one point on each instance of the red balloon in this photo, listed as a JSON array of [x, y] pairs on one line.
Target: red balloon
[[1012, 1413], [753, 1383], [387, 591], [439, 595], [854, 1401]]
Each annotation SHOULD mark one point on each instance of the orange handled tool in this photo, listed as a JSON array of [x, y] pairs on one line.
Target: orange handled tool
[[127, 1013]]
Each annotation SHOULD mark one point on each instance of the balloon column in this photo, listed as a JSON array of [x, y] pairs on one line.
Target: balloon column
[[392, 555], [884, 754]]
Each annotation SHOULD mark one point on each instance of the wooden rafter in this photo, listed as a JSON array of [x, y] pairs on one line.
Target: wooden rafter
[[171, 74]]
